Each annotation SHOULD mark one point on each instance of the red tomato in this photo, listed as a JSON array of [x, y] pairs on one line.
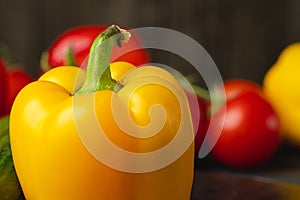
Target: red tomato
[[16, 79], [236, 87], [79, 41], [12, 80], [2, 88], [250, 133], [198, 113]]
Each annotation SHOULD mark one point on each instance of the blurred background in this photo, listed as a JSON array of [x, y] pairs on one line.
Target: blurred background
[[244, 38]]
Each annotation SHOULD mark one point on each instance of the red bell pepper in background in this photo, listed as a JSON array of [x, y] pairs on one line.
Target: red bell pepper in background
[[12, 80], [72, 48]]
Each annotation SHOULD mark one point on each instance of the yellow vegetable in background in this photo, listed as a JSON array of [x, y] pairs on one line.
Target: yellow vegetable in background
[[281, 86]]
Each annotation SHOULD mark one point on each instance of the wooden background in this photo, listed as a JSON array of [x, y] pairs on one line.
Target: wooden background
[[244, 38]]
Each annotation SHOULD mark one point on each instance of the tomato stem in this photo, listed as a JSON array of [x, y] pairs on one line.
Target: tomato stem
[[201, 92], [44, 61], [70, 59], [98, 75]]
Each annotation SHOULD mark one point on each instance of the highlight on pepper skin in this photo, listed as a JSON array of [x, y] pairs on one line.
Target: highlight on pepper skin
[[146, 128]]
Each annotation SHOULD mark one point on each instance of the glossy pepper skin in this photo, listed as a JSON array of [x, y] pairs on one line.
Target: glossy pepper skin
[[49, 154], [72, 47], [281, 85]]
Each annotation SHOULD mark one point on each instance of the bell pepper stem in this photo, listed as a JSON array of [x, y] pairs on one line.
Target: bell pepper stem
[[98, 76]]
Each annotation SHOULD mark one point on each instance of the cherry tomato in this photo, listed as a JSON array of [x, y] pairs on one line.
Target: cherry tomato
[[16, 79], [2, 88], [78, 41], [198, 113], [12, 80], [250, 133], [236, 87]]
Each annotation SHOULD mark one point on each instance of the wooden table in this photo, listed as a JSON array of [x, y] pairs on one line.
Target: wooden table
[[278, 179], [223, 186]]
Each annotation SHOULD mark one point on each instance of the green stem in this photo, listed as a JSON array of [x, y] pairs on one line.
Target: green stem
[[44, 61], [201, 92], [98, 76], [70, 59]]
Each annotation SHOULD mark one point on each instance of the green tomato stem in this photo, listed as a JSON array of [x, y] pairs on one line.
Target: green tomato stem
[[70, 59], [98, 76], [201, 92]]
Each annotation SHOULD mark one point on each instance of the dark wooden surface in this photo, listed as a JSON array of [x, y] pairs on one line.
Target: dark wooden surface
[[277, 179], [243, 37], [221, 186]]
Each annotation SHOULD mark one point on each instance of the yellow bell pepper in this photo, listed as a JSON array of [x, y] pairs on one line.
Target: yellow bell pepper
[[281, 86], [61, 124]]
